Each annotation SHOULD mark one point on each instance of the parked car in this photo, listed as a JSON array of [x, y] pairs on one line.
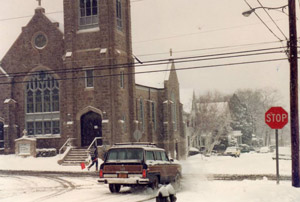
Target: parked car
[[232, 151], [138, 164], [272, 148], [244, 148], [284, 153], [193, 151], [264, 150]]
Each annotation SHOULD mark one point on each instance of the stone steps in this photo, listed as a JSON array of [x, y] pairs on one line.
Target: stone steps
[[76, 157]]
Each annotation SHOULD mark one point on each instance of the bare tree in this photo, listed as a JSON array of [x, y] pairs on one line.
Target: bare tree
[[258, 102], [212, 119]]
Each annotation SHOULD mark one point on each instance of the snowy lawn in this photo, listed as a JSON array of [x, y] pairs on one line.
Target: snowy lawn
[[13, 162], [247, 163]]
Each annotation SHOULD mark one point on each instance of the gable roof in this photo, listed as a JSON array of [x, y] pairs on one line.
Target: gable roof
[[165, 73]]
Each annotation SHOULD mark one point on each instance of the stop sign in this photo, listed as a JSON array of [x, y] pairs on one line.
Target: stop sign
[[276, 117]]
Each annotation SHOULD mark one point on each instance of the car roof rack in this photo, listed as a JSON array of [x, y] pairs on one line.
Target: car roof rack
[[149, 144]]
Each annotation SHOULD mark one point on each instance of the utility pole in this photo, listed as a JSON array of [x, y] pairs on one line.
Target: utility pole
[[294, 93]]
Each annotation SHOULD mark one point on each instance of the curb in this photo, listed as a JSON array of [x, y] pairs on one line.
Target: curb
[[57, 173]]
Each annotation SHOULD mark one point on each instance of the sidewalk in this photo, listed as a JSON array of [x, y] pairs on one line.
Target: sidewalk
[[15, 163]]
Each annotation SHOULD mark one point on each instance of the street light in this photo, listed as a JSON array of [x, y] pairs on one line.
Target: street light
[[249, 12], [293, 59]]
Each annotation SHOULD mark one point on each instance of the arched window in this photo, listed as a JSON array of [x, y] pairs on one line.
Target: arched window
[[88, 14], [42, 105], [174, 111]]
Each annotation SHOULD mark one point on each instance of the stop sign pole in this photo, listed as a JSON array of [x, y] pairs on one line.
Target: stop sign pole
[[276, 118]]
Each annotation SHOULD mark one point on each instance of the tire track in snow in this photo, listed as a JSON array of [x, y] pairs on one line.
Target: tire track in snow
[[65, 186]]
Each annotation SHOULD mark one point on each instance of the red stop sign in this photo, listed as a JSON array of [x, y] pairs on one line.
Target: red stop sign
[[276, 117]]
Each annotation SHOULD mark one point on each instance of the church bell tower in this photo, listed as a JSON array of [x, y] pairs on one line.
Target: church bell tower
[[98, 53]]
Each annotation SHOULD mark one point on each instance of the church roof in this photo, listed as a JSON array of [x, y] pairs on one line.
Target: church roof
[[157, 79]]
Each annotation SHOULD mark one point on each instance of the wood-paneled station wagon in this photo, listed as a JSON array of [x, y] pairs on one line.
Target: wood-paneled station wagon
[[138, 164]]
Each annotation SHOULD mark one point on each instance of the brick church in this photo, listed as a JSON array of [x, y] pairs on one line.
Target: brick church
[[77, 80]]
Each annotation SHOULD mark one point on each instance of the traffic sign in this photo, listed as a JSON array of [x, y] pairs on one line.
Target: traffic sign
[[276, 117], [137, 135]]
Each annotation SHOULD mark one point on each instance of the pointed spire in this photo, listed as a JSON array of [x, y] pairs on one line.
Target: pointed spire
[[194, 102]]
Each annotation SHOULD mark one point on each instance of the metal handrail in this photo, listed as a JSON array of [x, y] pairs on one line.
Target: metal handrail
[[96, 138], [64, 145]]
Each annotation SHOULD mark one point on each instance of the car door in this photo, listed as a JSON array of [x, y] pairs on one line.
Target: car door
[[162, 166], [170, 166]]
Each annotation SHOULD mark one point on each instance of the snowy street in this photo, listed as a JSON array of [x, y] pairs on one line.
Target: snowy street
[[196, 186], [54, 188]]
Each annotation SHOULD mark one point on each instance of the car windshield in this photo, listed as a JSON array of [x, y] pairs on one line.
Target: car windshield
[[125, 154]]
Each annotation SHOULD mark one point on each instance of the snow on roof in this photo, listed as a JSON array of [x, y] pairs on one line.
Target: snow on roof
[[236, 133], [92, 29], [9, 100], [3, 71], [221, 107]]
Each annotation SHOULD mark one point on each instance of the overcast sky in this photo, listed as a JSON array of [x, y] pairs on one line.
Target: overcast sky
[[190, 28]]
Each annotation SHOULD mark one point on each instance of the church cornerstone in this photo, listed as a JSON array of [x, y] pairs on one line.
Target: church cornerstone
[[25, 146]]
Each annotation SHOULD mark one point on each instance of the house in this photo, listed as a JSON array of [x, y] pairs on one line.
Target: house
[[209, 124]]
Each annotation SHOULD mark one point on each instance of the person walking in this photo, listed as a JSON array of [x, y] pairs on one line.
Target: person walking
[[94, 157]]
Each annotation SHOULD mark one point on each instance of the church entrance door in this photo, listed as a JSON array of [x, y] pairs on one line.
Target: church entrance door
[[91, 127], [1, 136]]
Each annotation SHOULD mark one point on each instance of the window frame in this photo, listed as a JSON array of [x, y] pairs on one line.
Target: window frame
[[153, 111], [43, 107], [142, 113], [83, 17], [122, 81], [89, 78], [119, 14]]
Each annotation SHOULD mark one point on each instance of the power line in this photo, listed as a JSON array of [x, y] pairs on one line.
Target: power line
[[193, 33], [156, 71], [262, 21], [228, 55], [26, 16], [211, 48], [272, 20], [188, 57], [286, 51]]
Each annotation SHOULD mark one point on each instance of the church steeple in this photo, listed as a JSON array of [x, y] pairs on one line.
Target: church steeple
[[194, 102], [40, 2]]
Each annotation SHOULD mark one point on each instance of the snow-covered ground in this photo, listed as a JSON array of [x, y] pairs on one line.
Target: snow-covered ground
[[247, 163], [195, 186]]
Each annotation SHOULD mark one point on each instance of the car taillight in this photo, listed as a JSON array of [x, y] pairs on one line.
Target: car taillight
[[101, 173], [144, 173]]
